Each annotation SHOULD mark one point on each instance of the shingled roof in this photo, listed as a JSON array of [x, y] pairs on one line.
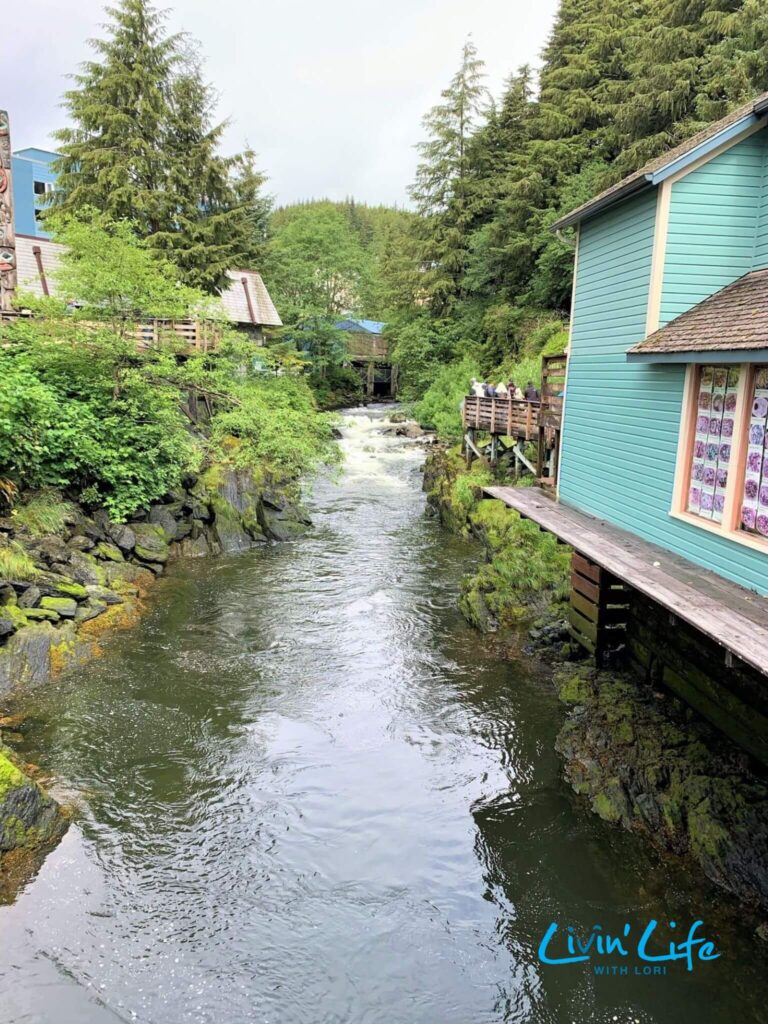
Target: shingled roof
[[645, 176], [733, 319]]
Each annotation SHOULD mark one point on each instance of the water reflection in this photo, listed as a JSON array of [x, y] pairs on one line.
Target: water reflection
[[310, 794]]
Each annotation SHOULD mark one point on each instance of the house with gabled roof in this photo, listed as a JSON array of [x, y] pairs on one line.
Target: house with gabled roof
[[663, 467]]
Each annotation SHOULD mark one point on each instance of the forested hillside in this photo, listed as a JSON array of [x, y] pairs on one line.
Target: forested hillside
[[477, 275]]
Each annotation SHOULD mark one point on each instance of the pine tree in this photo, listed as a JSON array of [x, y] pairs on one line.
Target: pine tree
[[442, 190], [144, 147]]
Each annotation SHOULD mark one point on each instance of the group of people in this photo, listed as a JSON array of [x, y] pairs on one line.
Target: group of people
[[510, 390]]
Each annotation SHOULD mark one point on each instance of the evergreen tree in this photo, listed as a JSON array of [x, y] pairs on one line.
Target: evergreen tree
[[442, 190], [143, 147]]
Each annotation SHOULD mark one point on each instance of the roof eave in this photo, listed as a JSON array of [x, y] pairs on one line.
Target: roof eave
[[718, 356], [579, 216], [758, 114]]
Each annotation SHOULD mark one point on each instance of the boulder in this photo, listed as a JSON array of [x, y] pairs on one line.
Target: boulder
[[80, 543], [85, 569], [41, 615], [165, 517], [96, 593], [90, 610], [194, 548], [49, 550], [66, 607], [52, 583], [29, 657], [122, 535], [30, 597], [7, 625], [110, 552], [151, 545], [29, 818], [123, 572]]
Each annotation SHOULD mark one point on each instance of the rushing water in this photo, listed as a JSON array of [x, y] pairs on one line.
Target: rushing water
[[310, 795]]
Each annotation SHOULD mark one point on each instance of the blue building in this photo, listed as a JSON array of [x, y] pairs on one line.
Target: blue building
[[33, 179]]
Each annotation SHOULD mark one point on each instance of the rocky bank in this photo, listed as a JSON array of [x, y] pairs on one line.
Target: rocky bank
[[91, 577]]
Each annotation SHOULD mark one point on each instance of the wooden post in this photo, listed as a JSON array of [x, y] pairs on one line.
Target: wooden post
[[599, 610], [7, 229]]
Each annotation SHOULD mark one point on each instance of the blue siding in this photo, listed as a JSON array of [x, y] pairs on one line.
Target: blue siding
[[713, 223], [29, 166], [622, 419]]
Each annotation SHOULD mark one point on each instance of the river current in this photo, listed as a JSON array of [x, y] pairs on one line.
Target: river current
[[309, 793]]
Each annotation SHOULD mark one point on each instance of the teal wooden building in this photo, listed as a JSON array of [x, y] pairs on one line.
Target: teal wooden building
[[666, 407], [663, 468]]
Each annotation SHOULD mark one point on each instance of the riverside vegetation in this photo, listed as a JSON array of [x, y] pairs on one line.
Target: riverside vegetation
[[114, 460], [639, 756]]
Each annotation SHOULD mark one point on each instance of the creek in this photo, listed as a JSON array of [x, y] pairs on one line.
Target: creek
[[309, 793]]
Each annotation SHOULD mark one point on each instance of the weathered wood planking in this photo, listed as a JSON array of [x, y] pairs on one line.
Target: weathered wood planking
[[507, 417], [730, 615], [8, 269]]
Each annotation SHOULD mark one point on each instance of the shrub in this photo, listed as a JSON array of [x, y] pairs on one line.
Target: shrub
[[440, 408]]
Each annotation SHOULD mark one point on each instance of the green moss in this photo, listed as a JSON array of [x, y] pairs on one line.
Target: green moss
[[109, 551], [41, 615], [10, 776], [608, 806], [574, 688], [65, 606], [71, 589]]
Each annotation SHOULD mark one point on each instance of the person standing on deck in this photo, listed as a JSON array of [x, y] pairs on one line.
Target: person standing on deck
[[531, 392], [477, 388], [490, 391], [501, 390]]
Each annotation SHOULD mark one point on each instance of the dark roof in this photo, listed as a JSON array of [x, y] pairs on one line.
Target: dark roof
[[734, 318], [643, 178]]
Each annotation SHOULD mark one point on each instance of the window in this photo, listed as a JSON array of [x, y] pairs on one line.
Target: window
[[41, 188], [722, 479]]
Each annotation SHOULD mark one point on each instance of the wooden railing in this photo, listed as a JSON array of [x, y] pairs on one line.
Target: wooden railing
[[553, 371], [198, 334], [504, 416]]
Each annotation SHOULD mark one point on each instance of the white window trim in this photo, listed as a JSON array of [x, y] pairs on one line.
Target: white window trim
[[729, 528]]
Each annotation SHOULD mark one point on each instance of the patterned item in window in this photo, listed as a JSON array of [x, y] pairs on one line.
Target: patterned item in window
[[760, 408], [694, 498], [699, 449], [705, 400], [754, 461], [709, 476], [711, 451], [730, 401], [719, 505], [702, 424], [764, 495], [698, 471], [765, 467], [725, 453], [721, 377], [750, 487], [721, 478], [707, 501], [718, 401], [762, 525], [727, 430], [749, 517], [714, 427], [756, 433]]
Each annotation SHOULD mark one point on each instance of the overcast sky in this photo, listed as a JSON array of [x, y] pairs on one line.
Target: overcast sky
[[330, 94]]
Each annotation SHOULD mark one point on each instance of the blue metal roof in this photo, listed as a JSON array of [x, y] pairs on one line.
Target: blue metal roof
[[369, 326]]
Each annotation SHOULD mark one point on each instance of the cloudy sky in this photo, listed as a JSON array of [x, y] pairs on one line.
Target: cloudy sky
[[329, 94]]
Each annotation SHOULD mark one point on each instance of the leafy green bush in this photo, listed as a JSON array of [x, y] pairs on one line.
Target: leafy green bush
[[440, 408], [43, 513], [420, 348], [276, 424]]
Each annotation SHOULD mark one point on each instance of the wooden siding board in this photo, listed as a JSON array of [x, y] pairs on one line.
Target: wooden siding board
[[717, 208], [622, 419]]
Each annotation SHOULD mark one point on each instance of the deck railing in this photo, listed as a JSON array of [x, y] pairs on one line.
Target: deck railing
[[198, 334], [510, 417]]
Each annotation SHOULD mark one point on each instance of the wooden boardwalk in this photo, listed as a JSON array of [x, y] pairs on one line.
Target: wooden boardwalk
[[735, 618]]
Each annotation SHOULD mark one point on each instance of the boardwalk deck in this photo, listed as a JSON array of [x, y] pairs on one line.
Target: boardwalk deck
[[733, 617]]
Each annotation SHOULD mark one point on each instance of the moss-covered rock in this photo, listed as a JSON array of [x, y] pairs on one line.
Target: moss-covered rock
[[110, 552], [29, 817], [151, 545], [66, 607]]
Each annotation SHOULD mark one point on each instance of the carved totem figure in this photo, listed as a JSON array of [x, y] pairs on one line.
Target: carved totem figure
[[7, 232]]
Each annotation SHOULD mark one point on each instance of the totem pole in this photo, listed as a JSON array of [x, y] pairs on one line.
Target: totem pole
[[7, 232]]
